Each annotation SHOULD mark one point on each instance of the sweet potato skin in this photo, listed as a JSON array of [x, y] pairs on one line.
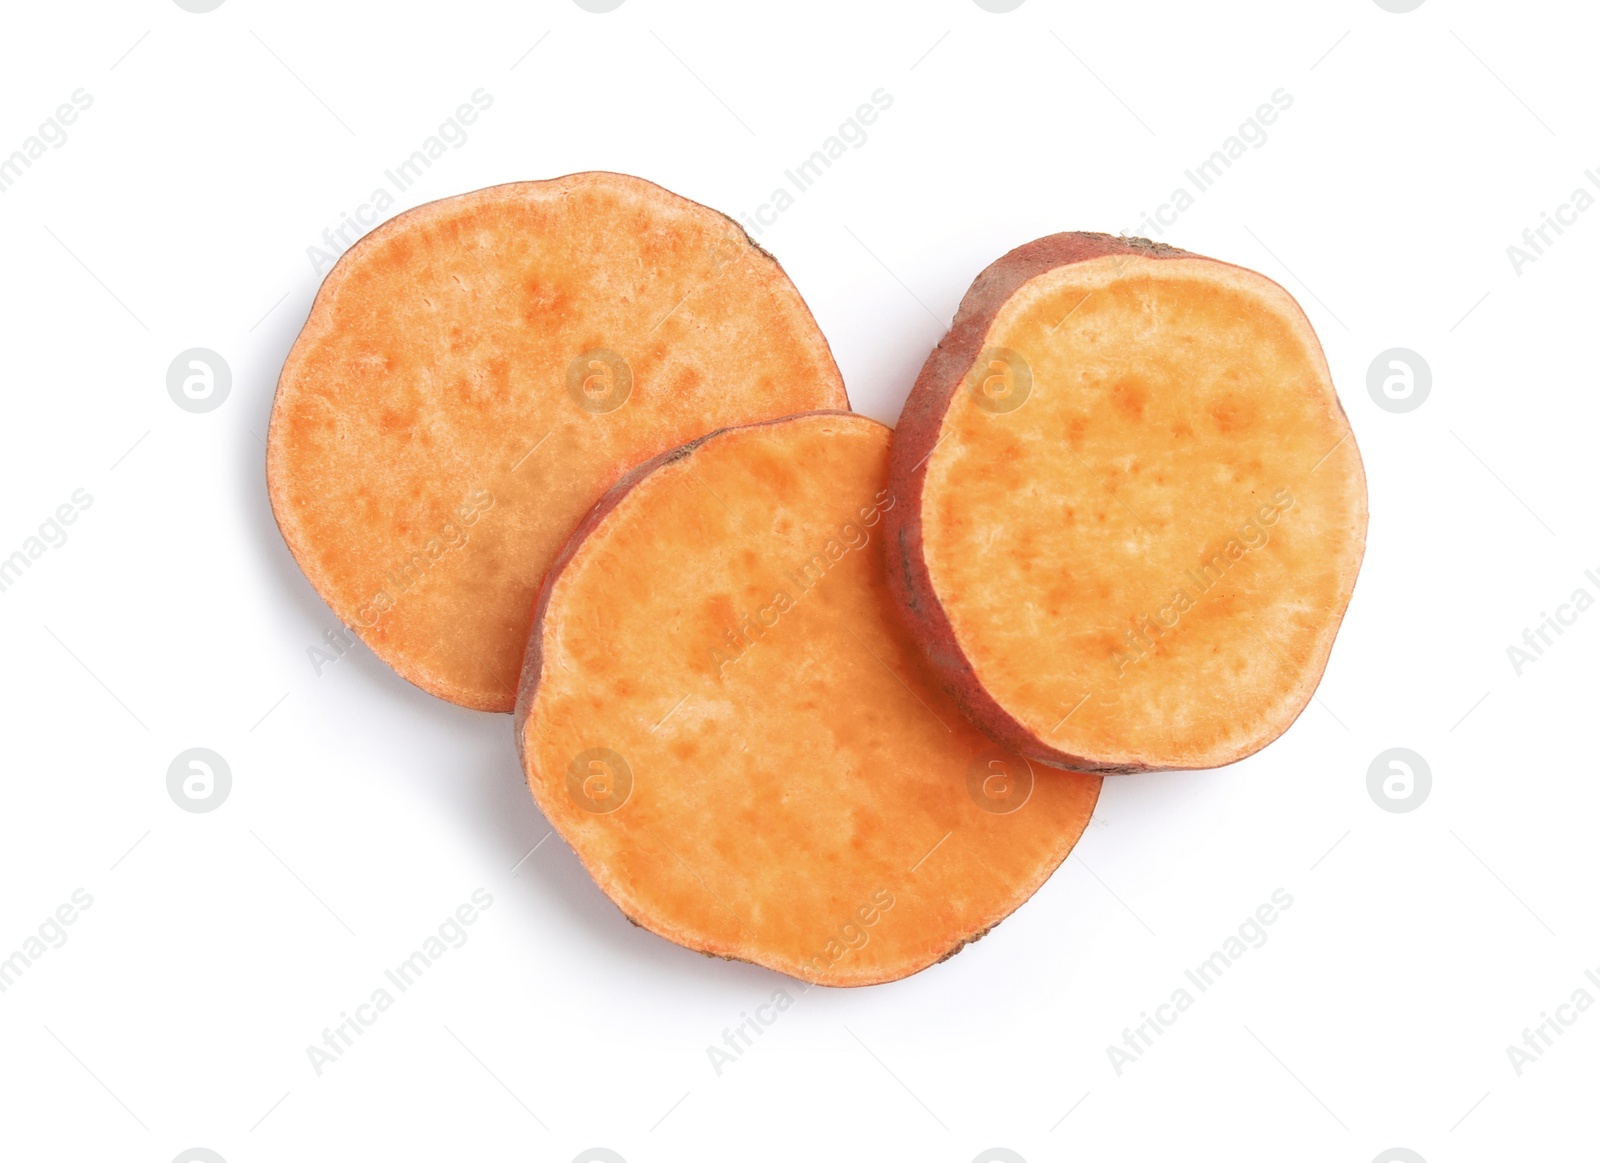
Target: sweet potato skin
[[917, 434], [438, 355], [1064, 805]]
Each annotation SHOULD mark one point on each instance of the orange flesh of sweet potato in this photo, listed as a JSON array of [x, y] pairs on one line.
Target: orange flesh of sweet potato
[[722, 715], [456, 401], [1134, 507]]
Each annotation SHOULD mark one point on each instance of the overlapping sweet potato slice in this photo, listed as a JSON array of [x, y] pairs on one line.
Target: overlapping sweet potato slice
[[1132, 508], [476, 372], [722, 715]]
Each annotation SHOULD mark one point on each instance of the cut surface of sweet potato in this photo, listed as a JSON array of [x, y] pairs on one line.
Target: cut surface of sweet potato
[[1133, 509], [477, 371], [722, 715]]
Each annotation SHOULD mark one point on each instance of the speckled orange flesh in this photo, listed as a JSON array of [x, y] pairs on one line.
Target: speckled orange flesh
[[446, 418], [1144, 564], [803, 796]]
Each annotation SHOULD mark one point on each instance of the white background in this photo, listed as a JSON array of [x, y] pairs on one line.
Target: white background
[[219, 946]]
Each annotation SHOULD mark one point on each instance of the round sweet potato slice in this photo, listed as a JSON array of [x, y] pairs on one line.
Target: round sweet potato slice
[[476, 372], [722, 715], [1132, 507]]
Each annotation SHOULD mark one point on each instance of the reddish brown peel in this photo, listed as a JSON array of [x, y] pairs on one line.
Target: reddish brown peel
[[1134, 509]]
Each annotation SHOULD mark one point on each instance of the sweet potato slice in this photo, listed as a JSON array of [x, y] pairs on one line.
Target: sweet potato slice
[[1133, 510], [476, 372], [722, 715]]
